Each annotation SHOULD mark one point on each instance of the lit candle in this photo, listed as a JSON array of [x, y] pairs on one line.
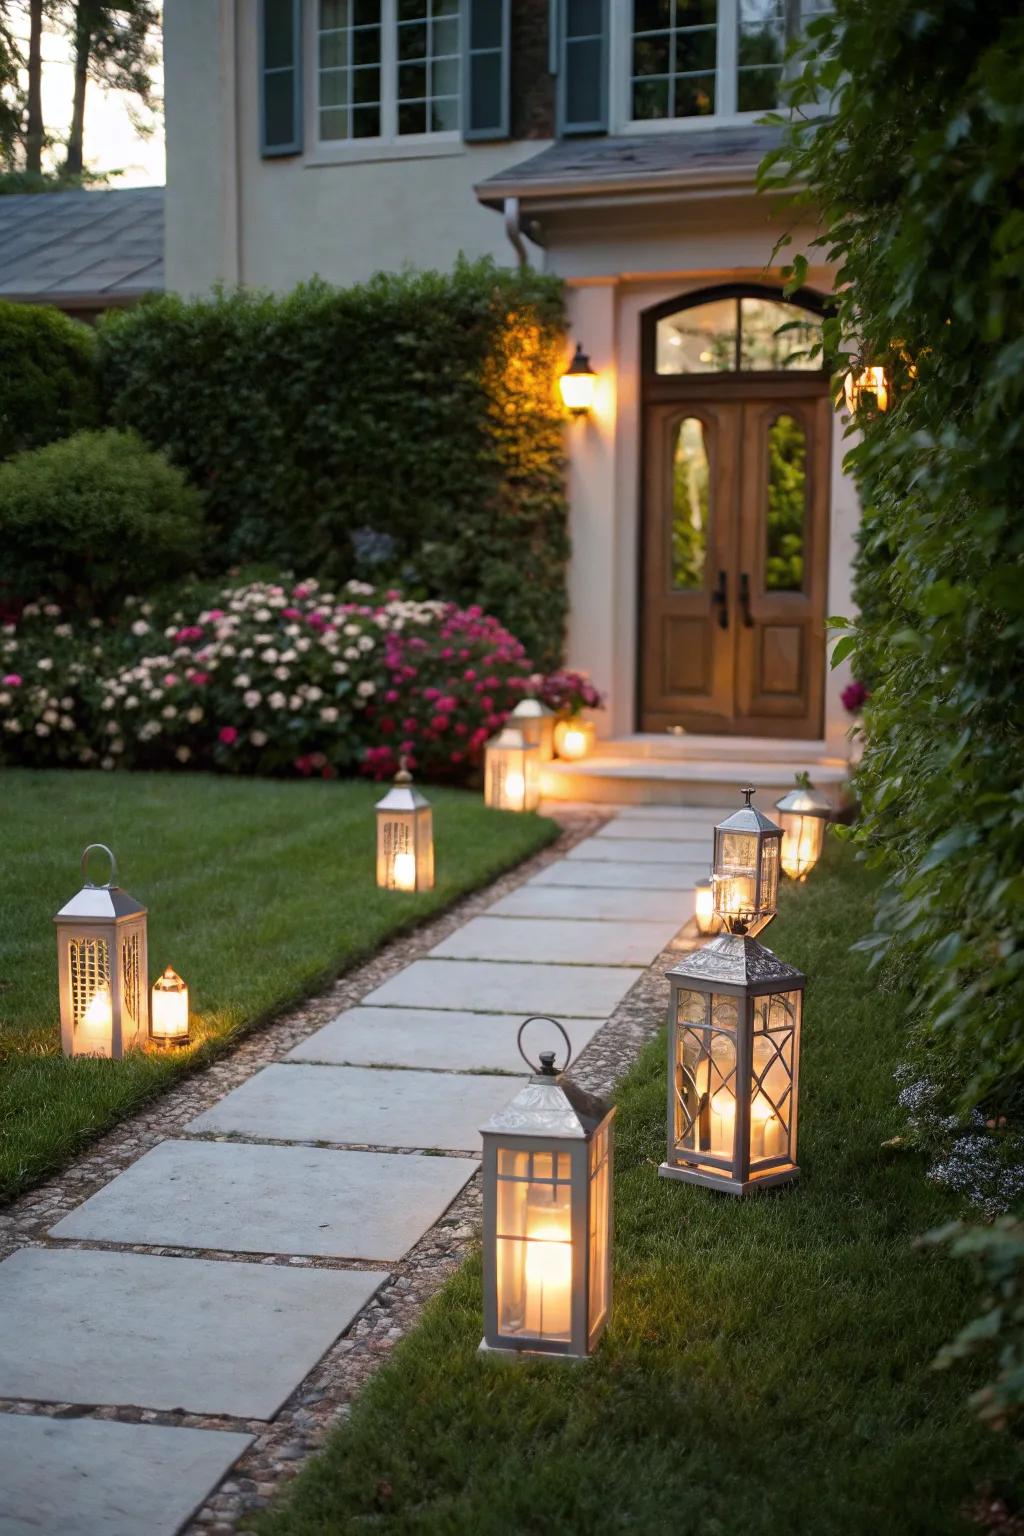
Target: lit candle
[[93, 1035], [723, 1124], [765, 1129], [515, 790], [705, 906], [548, 1266], [404, 871], [574, 743]]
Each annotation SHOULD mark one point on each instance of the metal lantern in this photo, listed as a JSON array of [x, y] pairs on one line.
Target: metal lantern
[[575, 737], [537, 724], [745, 870], [733, 1067], [578, 383], [405, 837], [511, 772], [547, 1191], [704, 906], [867, 388], [102, 967], [168, 1019], [803, 816]]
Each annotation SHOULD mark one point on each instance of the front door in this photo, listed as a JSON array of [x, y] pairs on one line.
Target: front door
[[735, 558]]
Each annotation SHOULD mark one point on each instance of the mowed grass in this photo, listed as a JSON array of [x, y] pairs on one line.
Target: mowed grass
[[258, 893], [768, 1364]]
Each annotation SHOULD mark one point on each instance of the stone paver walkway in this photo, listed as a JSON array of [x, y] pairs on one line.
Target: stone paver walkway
[[348, 1150]]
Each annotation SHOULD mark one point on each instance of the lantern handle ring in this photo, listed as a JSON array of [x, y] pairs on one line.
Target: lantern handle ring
[[102, 847], [540, 1069]]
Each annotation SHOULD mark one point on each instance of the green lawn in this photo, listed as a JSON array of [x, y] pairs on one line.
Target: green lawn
[[258, 893], [767, 1369]]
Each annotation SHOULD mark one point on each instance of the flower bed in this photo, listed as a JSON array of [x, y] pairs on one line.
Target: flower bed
[[264, 679]]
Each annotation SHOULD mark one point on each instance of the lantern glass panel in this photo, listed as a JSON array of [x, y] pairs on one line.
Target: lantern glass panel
[[705, 1104], [802, 840], [772, 1089], [770, 874], [511, 778], [600, 1180], [534, 1245], [736, 873]]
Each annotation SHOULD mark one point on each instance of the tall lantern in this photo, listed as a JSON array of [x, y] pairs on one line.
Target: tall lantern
[[803, 816], [547, 1188], [745, 870], [537, 724], [511, 772], [102, 967], [405, 837], [734, 1056]]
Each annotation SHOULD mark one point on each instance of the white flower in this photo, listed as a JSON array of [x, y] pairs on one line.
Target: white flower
[[52, 611], [351, 653], [289, 655], [295, 702], [140, 627], [329, 714], [62, 630], [366, 689], [5, 698], [131, 702], [251, 698], [155, 694], [111, 727], [117, 746], [227, 650], [351, 629], [339, 667], [183, 754], [292, 630], [269, 656], [258, 738], [146, 608], [95, 623], [277, 701], [14, 726], [195, 714], [242, 680], [50, 716], [66, 723], [106, 762], [313, 693], [246, 654], [263, 615], [150, 729], [365, 643], [30, 610], [41, 729], [86, 755], [303, 643], [67, 703], [169, 712], [282, 674], [45, 664]]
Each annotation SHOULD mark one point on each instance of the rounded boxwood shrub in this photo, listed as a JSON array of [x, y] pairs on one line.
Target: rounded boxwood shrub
[[89, 519], [47, 376]]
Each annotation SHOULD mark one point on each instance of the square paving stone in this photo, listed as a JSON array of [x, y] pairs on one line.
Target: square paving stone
[[560, 941], [637, 850], [445, 1040], [666, 829], [625, 876], [250, 1199], [90, 1477], [494, 986], [367, 1105], [140, 1330], [596, 904]]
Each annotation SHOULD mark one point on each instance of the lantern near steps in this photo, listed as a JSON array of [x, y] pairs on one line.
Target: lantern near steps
[[547, 1192], [733, 1067], [511, 772], [102, 967], [575, 738], [168, 1017], [405, 837], [745, 869], [803, 817], [537, 724]]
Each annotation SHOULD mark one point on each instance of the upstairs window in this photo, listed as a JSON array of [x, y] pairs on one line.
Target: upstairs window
[[388, 69]]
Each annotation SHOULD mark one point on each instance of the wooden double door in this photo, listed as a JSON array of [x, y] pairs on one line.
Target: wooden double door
[[735, 557]]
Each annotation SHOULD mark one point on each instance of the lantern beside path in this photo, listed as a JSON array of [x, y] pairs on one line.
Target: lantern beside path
[[405, 837], [745, 869], [537, 724], [102, 967], [168, 1020], [803, 817], [511, 772]]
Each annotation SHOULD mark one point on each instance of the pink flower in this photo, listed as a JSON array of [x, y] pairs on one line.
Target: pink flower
[[199, 678], [12, 680], [440, 723], [469, 675], [290, 613], [854, 696], [215, 613], [227, 735], [392, 696], [170, 678], [190, 632]]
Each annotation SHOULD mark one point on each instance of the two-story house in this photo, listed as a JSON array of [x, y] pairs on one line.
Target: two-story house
[[615, 143]]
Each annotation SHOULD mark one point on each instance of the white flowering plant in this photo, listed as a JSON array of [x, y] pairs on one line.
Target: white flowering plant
[[48, 689]]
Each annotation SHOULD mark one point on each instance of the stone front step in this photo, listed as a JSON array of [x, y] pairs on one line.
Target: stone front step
[[683, 747], [619, 779]]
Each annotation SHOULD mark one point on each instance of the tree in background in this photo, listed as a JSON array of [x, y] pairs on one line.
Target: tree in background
[[114, 48]]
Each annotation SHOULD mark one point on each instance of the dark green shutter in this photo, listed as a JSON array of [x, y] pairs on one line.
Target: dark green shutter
[[485, 69], [582, 66], [281, 77]]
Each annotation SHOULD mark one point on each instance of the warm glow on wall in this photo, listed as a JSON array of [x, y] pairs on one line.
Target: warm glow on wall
[[578, 384]]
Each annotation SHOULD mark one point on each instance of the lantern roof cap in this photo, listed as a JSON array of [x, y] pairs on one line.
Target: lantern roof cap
[[403, 797], [511, 736], [804, 800], [736, 960], [549, 1105], [748, 819], [100, 904], [530, 709]]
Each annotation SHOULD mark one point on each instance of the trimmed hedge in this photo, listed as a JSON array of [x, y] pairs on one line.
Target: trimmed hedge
[[47, 376], [407, 429]]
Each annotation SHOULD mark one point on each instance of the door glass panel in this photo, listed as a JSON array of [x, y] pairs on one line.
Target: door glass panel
[[699, 340], [691, 490], [746, 334], [764, 345], [787, 506]]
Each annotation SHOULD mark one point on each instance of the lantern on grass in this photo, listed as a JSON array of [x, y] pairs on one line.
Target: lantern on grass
[[511, 772], [102, 967], [405, 837], [575, 737], [733, 1067], [803, 816], [168, 1015], [704, 906], [745, 869], [537, 724], [547, 1188]]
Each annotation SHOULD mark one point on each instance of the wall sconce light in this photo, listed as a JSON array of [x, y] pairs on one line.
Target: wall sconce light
[[537, 724], [578, 384], [168, 1021], [511, 772], [803, 816], [547, 1198], [405, 837], [102, 967], [866, 389], [745, 870]]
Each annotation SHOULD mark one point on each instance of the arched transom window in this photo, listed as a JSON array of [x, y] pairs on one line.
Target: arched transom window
[[737, 334]]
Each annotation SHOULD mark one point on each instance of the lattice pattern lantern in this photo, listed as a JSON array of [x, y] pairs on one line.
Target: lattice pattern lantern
[[537, 724], [102, 967], [745, 870], [405, 837], [733, 1067], [803, 816], [547, 1189], [511, 772]]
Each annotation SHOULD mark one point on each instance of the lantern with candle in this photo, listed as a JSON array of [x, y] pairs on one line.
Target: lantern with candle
[[511, 772], [547, 1192], [745, 870], [168, 1016], [537, 724], [574, 737], [405, 837], [803, 816], [102, 967]]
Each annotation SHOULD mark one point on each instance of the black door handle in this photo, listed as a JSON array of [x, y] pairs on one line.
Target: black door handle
[[720, 598], [748, 619]]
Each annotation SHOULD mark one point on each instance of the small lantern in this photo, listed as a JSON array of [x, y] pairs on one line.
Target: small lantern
[[704, 909], [168, 1019], [547, 1194], [102, 967], [405, 837], [511, 772], [575, 737], [578, 383], [733, 1067], [866, 388], [745, 872], [537, 724], [803, 816]]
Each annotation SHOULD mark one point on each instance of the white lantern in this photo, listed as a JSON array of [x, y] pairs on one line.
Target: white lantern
[[168, 1020], [102, 967], [803, 817], [745, 871], [511, 772], [405, 837], [537, 724]]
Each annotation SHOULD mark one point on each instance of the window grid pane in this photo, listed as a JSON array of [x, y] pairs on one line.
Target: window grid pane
[[348, 52], [673, 58], [428, 66]]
